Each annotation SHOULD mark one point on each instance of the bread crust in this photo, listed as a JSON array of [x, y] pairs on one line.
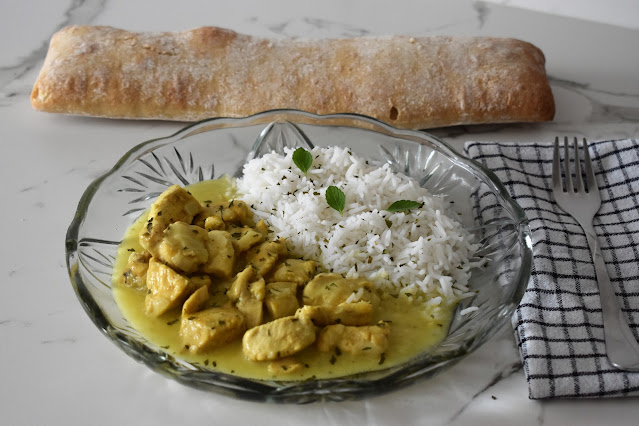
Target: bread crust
[[409, 82]]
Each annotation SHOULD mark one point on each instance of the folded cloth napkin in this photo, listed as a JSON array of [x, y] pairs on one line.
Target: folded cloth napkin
[[558, 324]]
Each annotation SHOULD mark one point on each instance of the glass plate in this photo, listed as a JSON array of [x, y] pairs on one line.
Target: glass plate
[[216, 147]]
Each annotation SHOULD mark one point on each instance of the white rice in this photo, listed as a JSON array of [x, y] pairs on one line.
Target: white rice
[[421, 250], [468, 310]]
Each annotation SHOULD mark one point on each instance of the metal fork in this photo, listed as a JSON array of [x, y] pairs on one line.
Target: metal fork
[[621, 347]]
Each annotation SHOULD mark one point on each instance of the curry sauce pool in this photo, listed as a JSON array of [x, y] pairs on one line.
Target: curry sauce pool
[[414, 326], [413, 332]]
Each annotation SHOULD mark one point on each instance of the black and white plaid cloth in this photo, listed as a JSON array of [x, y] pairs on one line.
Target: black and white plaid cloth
[[558, 324]]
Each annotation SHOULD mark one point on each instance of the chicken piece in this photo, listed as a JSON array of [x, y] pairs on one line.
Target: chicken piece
[[245, 237], [285, 366], [221, 255], [211, 328], [235, 212], [278, 339], [371, 339], [214, 223], [174, 205], [247, 294], [281, 299], [296, 270], [266, 255], [168, 289], [318, 315], [358, 313], [262, 227], [183, 247], [333, 289], [135, 272], [196, 301]]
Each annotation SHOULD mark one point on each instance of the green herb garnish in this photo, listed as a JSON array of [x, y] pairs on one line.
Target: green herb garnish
[[401, 205], [302, 159], [336, 198]]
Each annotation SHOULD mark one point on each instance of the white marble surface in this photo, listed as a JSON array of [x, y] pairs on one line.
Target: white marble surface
[[56, 367]]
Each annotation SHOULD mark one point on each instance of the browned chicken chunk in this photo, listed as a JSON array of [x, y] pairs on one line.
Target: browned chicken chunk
[[247, 294], [278, 339], [371, 339], [214, 223], [135, 273], [357, 313], [266, 255], [174, 205], [167, 289], [245, 237], [281, 299], [221, 255], [294, 270], [262, 227], [332, 289], [211, 328], [235, 212], [183, 247], [196, 301]]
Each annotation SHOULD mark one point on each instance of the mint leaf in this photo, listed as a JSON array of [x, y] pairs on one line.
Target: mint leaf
[[336, 198], [302, 159], [401, 205]]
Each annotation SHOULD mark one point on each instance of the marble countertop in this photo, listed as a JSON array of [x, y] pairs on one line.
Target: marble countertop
[[57, 368]]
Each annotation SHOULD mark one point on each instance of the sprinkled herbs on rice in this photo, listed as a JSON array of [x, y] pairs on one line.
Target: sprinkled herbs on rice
[[417, 252]]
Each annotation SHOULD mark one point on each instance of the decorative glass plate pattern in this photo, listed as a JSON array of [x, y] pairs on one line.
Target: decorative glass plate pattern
[[216, 147]]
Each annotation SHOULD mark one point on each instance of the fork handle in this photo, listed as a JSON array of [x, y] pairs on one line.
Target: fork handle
[[621, 347]]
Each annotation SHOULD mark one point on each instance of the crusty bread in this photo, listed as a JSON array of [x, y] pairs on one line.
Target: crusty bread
[[409, 82]]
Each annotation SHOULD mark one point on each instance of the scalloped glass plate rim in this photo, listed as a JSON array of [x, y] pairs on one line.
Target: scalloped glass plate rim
[[299, 392]]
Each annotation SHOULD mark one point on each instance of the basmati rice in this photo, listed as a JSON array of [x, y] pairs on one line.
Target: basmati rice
[[409, 252]]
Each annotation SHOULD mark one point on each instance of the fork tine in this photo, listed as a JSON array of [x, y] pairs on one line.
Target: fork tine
[[590, 175], [580, 181], [556, 170], [567, 169]]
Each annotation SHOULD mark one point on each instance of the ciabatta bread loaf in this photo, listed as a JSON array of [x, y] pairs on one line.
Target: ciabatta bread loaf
[[409, 82]]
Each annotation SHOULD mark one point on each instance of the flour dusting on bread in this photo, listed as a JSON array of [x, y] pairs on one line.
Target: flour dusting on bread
[[409, 82]]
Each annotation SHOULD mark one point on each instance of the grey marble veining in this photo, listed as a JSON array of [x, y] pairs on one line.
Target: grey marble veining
[[79, 12]]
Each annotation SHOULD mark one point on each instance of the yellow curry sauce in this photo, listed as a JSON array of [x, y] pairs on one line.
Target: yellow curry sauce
[[414, 327]]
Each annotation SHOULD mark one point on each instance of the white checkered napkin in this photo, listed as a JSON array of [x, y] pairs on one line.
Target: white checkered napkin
[[558, 324]]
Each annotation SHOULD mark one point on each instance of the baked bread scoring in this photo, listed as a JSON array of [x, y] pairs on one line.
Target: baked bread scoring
[[409, 82]]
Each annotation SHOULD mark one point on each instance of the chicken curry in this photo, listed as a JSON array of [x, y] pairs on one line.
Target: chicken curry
[[202, 280]]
